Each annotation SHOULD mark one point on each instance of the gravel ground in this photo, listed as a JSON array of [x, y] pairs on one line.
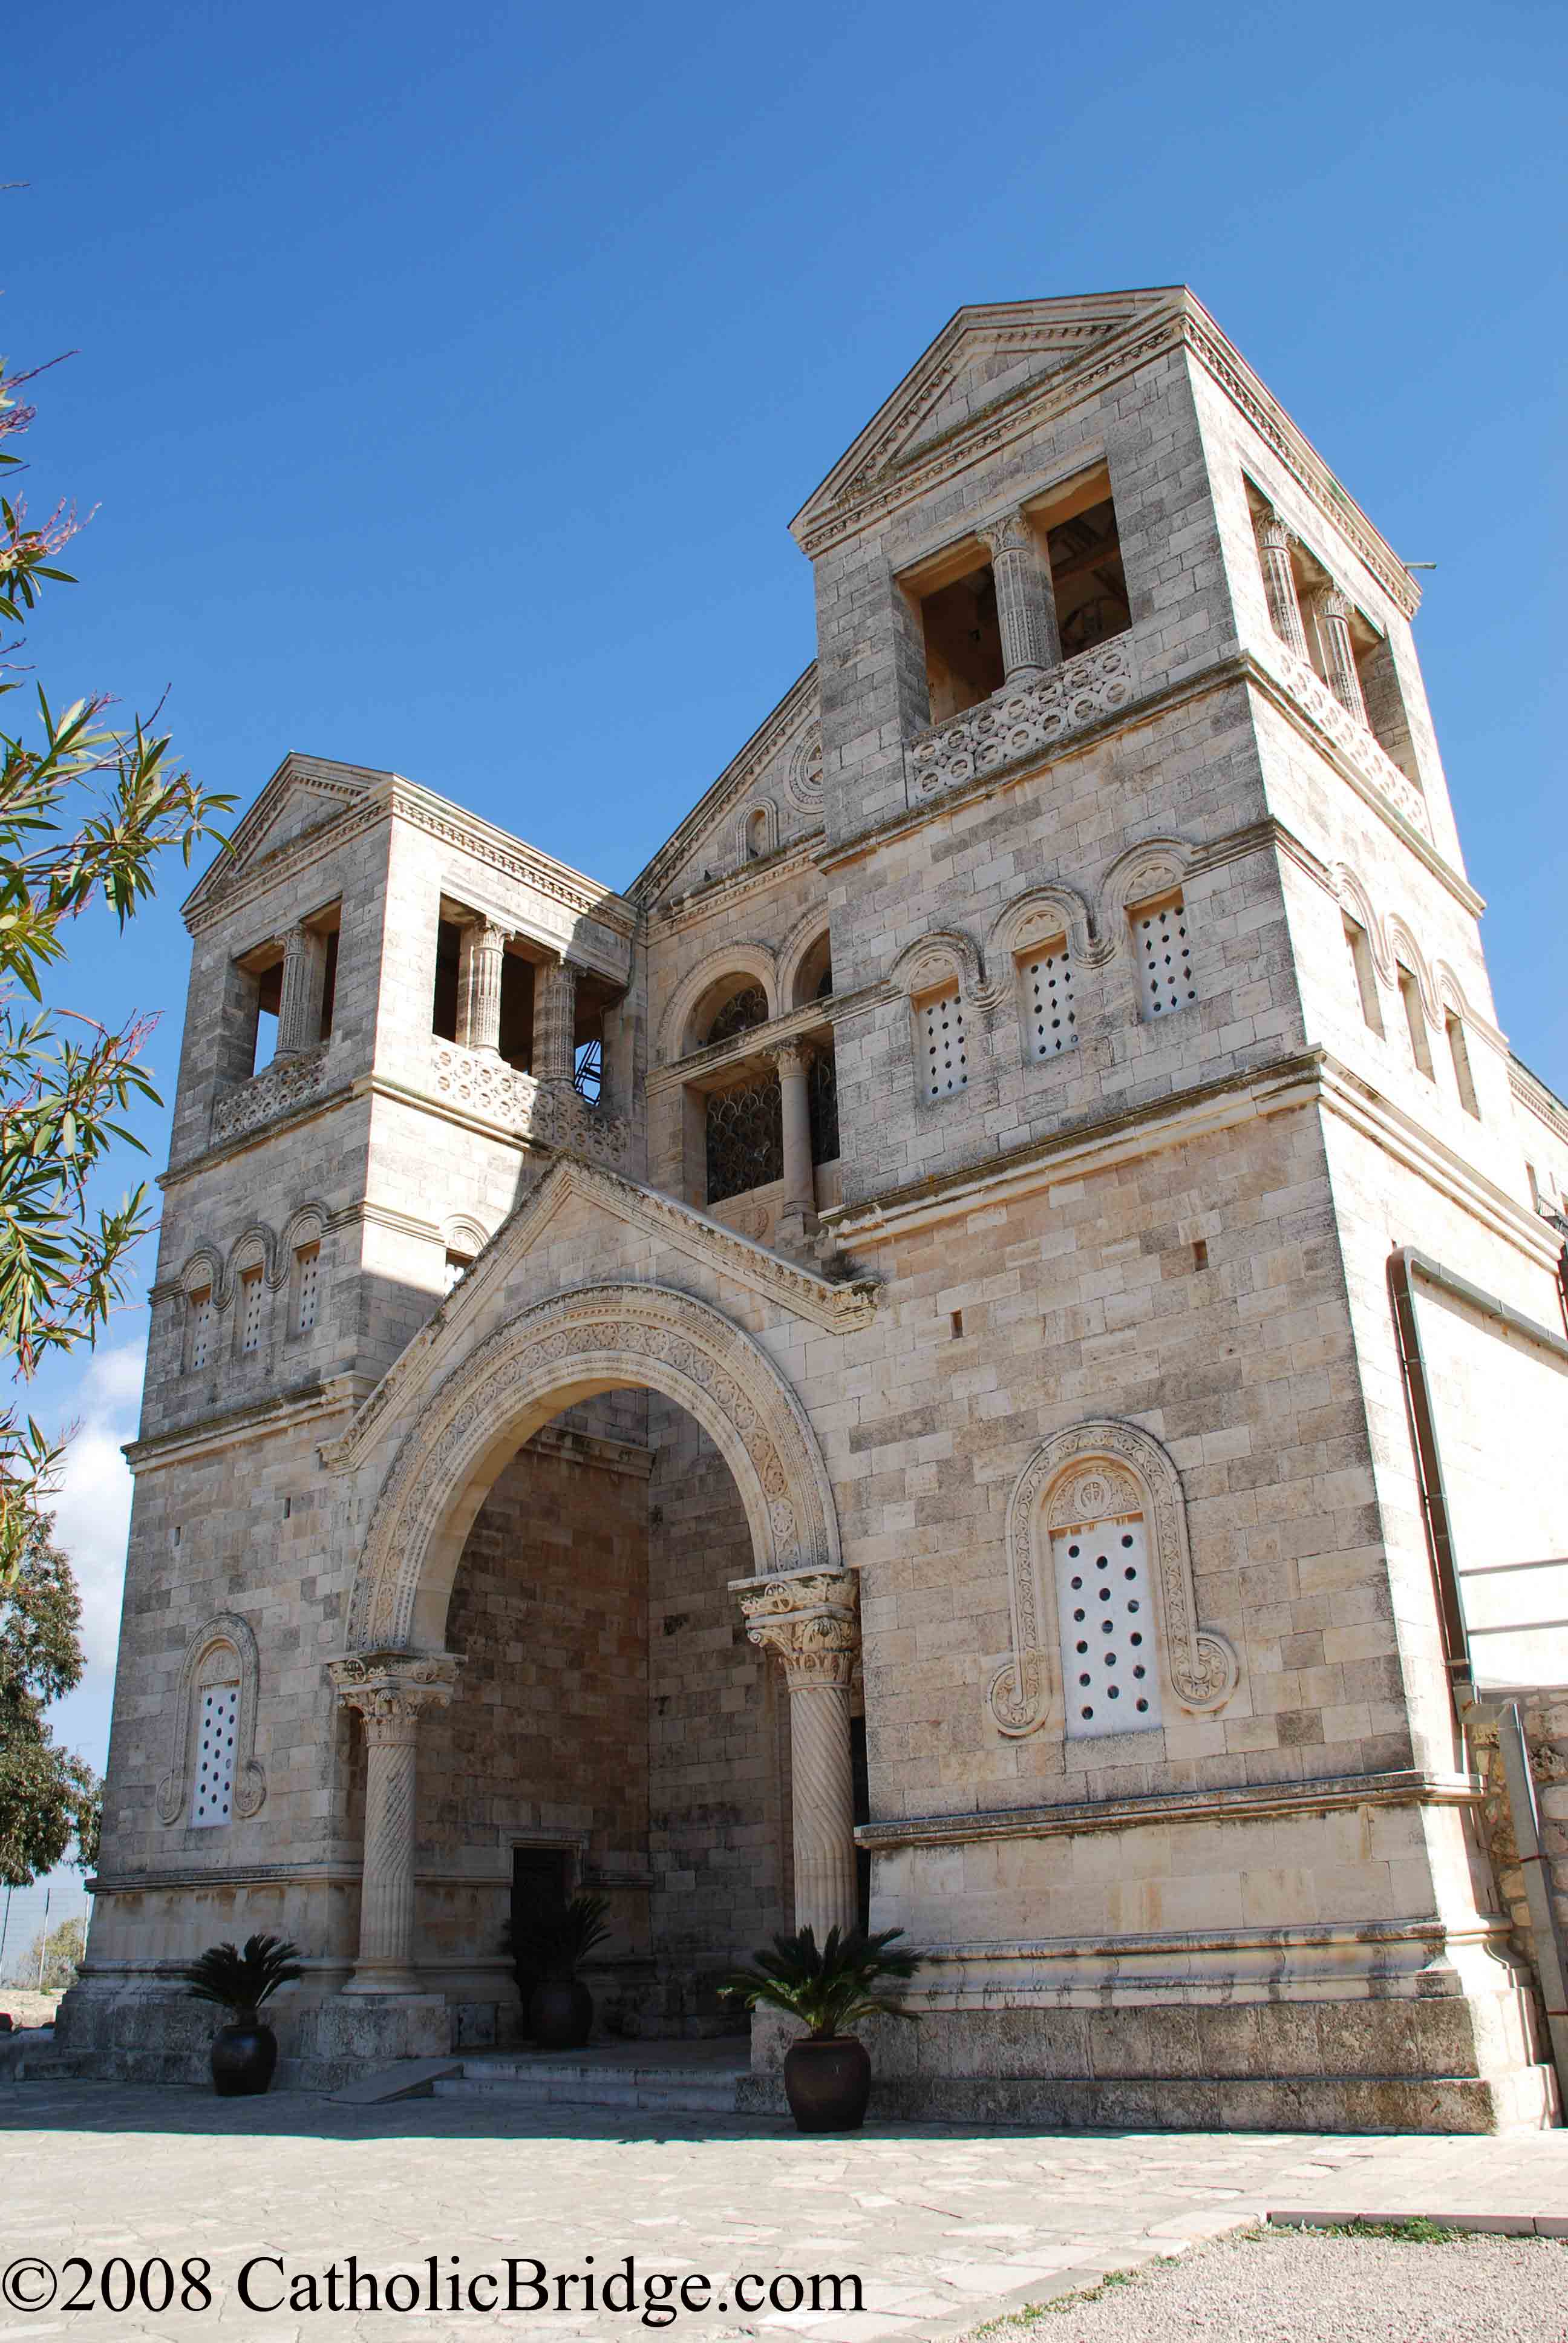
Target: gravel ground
[[1292, 2285]]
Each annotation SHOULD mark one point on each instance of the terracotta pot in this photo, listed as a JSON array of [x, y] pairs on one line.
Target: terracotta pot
[[244, 2056], [827, 2083], [561, 2014]]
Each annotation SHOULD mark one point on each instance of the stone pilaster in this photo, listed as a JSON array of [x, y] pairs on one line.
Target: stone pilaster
[[391, 1691], [299, 994], [810, 1619], [1279, 583], [1025, 603], [480, 955], [555, 1021], [793, 1060], [1334, 611]]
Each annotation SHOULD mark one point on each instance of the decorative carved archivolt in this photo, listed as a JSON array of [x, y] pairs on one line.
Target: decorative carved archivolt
[[606, 1336], [1088, 1472], [227, 1638]]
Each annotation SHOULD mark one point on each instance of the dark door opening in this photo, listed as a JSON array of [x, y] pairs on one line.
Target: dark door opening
[[540, 1878]]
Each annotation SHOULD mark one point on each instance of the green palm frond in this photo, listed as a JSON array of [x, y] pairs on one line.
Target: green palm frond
[[829, 1987], [242, 1981]]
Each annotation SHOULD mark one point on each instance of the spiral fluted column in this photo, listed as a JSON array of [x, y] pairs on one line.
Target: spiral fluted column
[[810, 1619], [391, 1691]]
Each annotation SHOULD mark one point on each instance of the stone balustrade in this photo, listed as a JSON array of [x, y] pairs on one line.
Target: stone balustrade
[[1015, 722], [1350, 733], [277, 1090], [487, 1086]]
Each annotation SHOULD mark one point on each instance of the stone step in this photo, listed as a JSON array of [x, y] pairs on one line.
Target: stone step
[[667, 2087]]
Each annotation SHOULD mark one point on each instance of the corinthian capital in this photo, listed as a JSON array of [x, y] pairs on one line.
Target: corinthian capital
[[810, 1620], [790, 1057], [392, 1690], [1009, 534]]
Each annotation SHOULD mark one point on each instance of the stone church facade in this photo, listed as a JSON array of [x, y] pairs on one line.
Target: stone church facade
[[858, 1374]]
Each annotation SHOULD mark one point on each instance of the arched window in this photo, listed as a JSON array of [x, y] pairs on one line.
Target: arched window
[[738, 1013], [213, 1776]]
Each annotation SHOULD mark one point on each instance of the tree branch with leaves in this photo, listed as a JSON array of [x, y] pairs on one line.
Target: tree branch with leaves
[[88, 809]]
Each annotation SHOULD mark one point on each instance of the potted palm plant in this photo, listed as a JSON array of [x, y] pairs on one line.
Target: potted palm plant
[[552, 1951], [829, 1989], [245, 2051]]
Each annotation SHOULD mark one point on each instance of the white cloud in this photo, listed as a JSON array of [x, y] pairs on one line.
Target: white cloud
[[93, 1508]]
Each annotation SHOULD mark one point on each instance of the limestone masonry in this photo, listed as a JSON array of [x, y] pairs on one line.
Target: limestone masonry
[[965, 1349]]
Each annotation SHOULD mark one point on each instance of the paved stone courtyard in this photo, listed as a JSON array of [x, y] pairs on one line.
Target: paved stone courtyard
[[945, 2226]]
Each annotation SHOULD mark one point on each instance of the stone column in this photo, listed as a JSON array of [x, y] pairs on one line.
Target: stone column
[[1025, 603], [480, 953], [299, 992], [1279, 583], [1334, 625], [809, 1618], [555, 1021], [793, 1060], [391, 1691]]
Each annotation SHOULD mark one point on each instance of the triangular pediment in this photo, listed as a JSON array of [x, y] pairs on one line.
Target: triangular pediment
[[306, 794], [596, 1211], [778, 772], [986, 360]]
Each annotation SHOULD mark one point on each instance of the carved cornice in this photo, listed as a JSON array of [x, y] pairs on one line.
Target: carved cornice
[[1259, 1802], [1112, 353], [1532, 1095], [1235, 377], [729, 888], [716, 1058], [795, 711], [586, 898], [869, 492]]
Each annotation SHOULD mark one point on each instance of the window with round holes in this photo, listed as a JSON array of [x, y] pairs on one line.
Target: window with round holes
[[218, 1725], [944, 1060], [1110, 1675], [1051, 1018], [1164, 956]]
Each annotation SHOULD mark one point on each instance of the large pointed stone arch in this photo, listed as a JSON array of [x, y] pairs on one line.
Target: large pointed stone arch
[[590, 1338]]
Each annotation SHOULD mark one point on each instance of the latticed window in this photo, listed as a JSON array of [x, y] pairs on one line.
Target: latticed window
[[1164, 956], [739, 1014], [250, 1310], [822, 1095], [1109, 1675], [309, 1274], [201, 1328], [745, 1138], [943, 1058], [218, 1725], [1050, 1020]]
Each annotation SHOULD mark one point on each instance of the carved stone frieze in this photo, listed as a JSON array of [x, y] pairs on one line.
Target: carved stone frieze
[[1086, 1472]]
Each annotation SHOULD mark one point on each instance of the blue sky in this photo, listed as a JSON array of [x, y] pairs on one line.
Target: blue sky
[[446, 382]]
